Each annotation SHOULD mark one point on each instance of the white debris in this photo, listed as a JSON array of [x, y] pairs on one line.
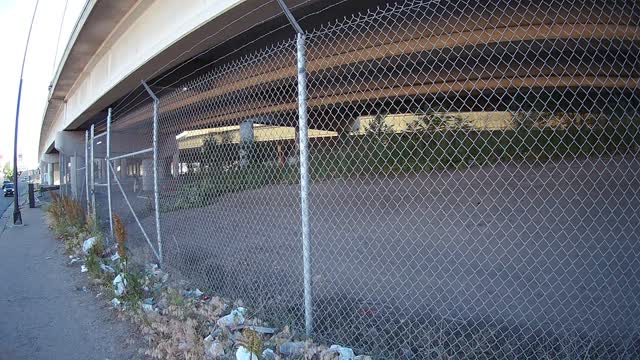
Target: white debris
[[343, 353], [268, 354], [83, 269], [157, 272], [88, 244], [119, 285], [147, 307], [233, 319], [292, 349], [107, 268], [115, 302], [244, 354], [115, 257], [213, 348], [193, 293]]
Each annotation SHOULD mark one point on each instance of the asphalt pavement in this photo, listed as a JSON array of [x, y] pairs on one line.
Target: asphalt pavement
[[45, 313]]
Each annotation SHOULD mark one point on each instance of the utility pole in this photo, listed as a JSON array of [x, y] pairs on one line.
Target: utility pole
[[17, 216]]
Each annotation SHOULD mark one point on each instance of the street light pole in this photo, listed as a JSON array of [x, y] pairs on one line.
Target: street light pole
[[17, 216]]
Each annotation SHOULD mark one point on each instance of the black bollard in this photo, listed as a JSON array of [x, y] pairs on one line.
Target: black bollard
[[32, 198]]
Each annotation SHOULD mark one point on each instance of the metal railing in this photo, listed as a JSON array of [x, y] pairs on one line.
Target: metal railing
[[426, 180]]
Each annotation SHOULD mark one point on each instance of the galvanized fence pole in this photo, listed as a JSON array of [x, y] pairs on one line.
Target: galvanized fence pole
[[304, 181], [303, 136], [109, 173], [156, 192], [86, 166], [61, 160], [73, 176], [93, 183]]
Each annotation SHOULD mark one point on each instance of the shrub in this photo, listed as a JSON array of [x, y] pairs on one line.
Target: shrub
[[120, 233], [65, 216], [434, 142]]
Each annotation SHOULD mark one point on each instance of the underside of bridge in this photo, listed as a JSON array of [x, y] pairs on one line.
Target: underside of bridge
[[507, 59]]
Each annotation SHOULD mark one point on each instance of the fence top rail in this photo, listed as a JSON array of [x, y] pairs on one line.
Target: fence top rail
[[131, 154]]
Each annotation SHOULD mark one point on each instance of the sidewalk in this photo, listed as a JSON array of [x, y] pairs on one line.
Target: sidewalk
[[43, 315]]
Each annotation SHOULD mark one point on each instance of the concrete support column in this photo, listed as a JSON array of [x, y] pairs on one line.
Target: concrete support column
[[246, 142], [61, 176], [56, 173], [49, 168], [75, 182], [122, 163], [67, 143], [169, 157], [175, 164], [49, 174], [147, 174]]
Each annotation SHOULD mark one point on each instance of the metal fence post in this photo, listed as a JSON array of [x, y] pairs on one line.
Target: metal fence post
[[86, 166], [61, 173], [109, 173], [304, 166], [73, 176], [93, 183], [156, 192], [304, 181]]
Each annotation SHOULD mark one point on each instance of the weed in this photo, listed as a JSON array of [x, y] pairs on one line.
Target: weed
[[120, 234], [174, 297], [135, 292], [252, 341], [66, 218]]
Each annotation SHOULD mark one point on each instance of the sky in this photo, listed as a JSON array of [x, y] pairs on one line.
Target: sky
[[15, 16]]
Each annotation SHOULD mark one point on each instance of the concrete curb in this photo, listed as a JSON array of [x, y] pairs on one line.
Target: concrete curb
[[6, 216]]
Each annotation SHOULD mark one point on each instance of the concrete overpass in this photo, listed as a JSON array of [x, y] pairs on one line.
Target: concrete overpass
[[115, 45]]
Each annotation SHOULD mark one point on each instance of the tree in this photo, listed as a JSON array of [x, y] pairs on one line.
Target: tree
[[7, 170]]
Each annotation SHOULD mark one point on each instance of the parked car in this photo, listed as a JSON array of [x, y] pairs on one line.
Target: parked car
[[7, 189]]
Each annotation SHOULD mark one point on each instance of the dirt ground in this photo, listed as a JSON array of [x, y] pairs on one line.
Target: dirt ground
[[546, 246]]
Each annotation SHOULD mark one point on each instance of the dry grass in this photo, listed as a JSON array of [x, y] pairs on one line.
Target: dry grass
[[120, 233], [178, 330], [66, 218]]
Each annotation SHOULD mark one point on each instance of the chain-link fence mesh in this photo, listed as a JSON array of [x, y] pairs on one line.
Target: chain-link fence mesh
[[479, 197], [98, 193], [475, 187], [79, 190], [230, 212], [132, 151]]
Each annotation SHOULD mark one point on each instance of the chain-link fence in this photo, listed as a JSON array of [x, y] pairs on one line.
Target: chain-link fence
[[132, 187], [473, 180]]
